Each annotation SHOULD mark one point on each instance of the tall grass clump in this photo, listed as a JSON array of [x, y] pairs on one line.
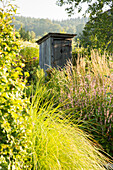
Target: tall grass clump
[[88, 87], [54, 143]]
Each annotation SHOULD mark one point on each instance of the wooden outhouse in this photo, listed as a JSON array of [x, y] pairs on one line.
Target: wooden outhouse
[[55, 49]]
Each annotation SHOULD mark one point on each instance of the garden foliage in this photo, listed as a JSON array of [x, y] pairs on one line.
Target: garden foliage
[[13, 107], [39, 136], [98, 32], [54, 142], [30, 57], [88, 87]]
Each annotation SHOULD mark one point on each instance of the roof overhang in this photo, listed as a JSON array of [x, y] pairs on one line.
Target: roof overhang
[[55, 35]]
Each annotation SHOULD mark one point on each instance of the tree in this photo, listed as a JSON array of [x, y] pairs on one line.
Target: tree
[[33, 35], [22, 32], [39, 27], [94, 7], [98, 32], [25, 35]]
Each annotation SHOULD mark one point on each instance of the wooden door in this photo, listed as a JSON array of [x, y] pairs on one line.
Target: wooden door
[[62, 52]]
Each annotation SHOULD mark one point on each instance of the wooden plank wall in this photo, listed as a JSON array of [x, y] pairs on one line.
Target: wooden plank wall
[[62, 52], [45, 54], [55, 52]]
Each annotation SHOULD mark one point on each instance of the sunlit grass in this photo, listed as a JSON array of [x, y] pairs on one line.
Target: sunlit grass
[[54, 142]]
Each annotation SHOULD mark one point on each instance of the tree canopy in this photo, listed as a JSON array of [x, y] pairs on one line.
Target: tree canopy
[[42, 26], [98, 32], [94, 7]]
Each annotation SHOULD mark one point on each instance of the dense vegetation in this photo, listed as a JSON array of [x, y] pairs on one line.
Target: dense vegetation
[[42, 26], [13, 103], [98, 32], [61, 121], [88, 88]]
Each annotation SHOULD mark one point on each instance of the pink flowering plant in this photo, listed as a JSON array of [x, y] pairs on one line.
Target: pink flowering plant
[[88, 90]]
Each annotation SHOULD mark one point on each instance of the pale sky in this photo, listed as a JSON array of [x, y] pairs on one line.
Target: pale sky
[[42, 9]]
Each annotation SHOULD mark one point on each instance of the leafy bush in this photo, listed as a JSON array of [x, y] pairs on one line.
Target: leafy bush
[[30, 57], [13, 107], [89, 92]]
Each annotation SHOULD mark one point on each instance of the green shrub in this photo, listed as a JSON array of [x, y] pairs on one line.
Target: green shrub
[[13, 107], [30, 57]]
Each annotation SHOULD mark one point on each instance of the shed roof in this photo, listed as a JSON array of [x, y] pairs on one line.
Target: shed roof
[[55, 35]]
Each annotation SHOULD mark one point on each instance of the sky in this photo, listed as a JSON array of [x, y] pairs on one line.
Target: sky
[[42, 9]]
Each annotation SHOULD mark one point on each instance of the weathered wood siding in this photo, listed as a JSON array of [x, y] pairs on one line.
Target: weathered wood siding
[[45, 54], [55, 50], [61, 51]]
